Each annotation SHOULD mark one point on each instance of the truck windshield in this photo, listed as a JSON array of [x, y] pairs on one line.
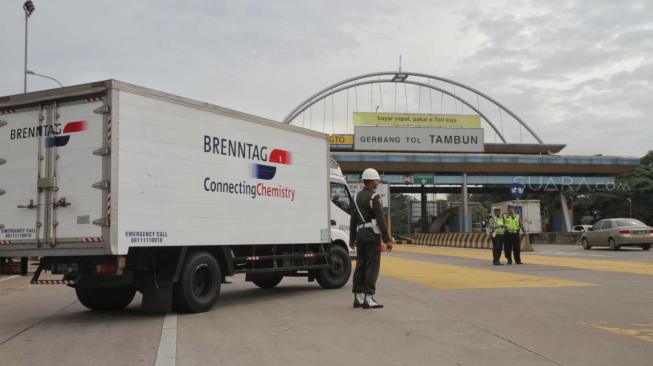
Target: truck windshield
[[340, 196]]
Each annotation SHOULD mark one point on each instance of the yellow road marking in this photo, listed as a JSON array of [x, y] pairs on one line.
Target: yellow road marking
[[445, 276], [484, 254], [644, 334]]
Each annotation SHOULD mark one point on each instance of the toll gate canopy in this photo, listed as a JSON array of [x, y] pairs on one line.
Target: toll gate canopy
[[451, 150]]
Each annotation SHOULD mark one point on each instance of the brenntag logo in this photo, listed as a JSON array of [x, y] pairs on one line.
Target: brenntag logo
[[62, 140], [54, 135], [264, 165], [267, 172], [249, 151]]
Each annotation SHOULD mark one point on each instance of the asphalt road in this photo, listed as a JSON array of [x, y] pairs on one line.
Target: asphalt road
[[444, 306]]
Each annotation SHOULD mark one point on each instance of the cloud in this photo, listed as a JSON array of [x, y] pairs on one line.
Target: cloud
[[577, 72], [563, 66]]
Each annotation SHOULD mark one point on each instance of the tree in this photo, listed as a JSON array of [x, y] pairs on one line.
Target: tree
[[613, 202], [399, 211]]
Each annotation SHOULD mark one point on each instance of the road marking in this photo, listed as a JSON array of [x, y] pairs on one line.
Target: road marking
[[8, 278], [641, 268], [446, 276], [166, 355], [571, 254], [644, 334]]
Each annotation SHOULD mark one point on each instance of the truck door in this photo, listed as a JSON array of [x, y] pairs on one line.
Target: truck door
[[51, 175], [20, 214], [73, 183]]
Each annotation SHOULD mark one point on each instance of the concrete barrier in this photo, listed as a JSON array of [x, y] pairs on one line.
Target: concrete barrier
[[572, 238], [463, 240]]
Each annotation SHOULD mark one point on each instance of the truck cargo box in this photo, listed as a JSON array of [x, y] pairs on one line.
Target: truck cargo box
[[99, 168]]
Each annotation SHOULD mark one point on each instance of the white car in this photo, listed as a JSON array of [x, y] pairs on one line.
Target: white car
[[617, 233], [581, 228]]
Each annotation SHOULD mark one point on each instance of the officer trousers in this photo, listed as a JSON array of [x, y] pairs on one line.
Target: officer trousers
[[368, 261], [497, 247], [512, 246]]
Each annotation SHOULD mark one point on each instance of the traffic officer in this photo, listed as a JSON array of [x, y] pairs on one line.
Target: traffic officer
[[367, 232], [513, 224], [497, 229]]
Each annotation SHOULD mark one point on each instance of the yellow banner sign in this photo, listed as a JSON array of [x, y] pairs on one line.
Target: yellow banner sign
[[417, 120], [341, 139]]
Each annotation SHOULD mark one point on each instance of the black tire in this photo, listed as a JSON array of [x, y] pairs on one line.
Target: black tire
[[586, 244], [106, 299], [199, 284], [646, 247], [267, 280], [613, 245], [338, 275]]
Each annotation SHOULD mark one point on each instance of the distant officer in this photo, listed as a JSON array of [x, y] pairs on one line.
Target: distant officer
[[367, 232], [497, 229], [513, 224]]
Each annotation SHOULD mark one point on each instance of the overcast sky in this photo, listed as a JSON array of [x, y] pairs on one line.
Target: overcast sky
[[578, 72]]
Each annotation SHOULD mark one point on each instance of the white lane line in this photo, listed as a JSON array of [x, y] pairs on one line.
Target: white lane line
[[8, 278], [166, 355]]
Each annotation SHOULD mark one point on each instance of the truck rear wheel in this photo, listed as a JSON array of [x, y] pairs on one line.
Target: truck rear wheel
[[199, 285], [267, 280], [110, 298], [338, 275]]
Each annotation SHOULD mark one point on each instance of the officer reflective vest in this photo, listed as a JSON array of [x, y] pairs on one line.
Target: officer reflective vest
[[497, 225], [512, 223]]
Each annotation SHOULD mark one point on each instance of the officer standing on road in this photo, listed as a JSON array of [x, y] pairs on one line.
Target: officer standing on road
[[513, 224], [497, 229], [367, 232]]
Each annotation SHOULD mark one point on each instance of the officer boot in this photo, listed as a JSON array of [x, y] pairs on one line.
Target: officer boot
[[359, 299], [370, 303]]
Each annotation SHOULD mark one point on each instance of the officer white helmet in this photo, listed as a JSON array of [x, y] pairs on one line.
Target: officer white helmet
[[370, 174]]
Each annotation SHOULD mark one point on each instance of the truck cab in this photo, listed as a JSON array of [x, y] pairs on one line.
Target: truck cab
[[341, 203]]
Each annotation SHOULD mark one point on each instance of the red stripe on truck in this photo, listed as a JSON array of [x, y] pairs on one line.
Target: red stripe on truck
[[76, 126], [280, 156]]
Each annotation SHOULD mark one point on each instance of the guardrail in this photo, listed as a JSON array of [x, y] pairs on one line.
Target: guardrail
[[463, 240]]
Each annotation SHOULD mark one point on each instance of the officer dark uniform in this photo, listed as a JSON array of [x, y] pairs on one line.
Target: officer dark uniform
[[513, 225], [367, 232]]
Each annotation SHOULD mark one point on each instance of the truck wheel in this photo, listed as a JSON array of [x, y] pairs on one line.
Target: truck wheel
[[586, 244], [646, 246], [110, 298], [613, 245], [338, 275], [267, 280], [199, 285]]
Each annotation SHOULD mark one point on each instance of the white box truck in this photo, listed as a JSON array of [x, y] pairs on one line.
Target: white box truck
[[120, 188], [530, 213]]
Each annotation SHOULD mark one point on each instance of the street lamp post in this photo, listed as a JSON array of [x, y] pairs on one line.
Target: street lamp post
[[29, 8], [30, 72]]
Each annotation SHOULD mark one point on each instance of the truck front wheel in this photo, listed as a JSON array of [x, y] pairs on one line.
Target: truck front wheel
[[199, 285], [338, 274], [110, 298]]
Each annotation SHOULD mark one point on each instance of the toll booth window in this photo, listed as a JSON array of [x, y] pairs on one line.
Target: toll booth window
[[340, 196]]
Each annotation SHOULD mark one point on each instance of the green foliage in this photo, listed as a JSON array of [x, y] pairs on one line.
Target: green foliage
[[399, 212], [636, 186]]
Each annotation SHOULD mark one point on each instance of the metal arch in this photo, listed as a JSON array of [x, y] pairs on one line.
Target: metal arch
[[305, 106], [293, 114]]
